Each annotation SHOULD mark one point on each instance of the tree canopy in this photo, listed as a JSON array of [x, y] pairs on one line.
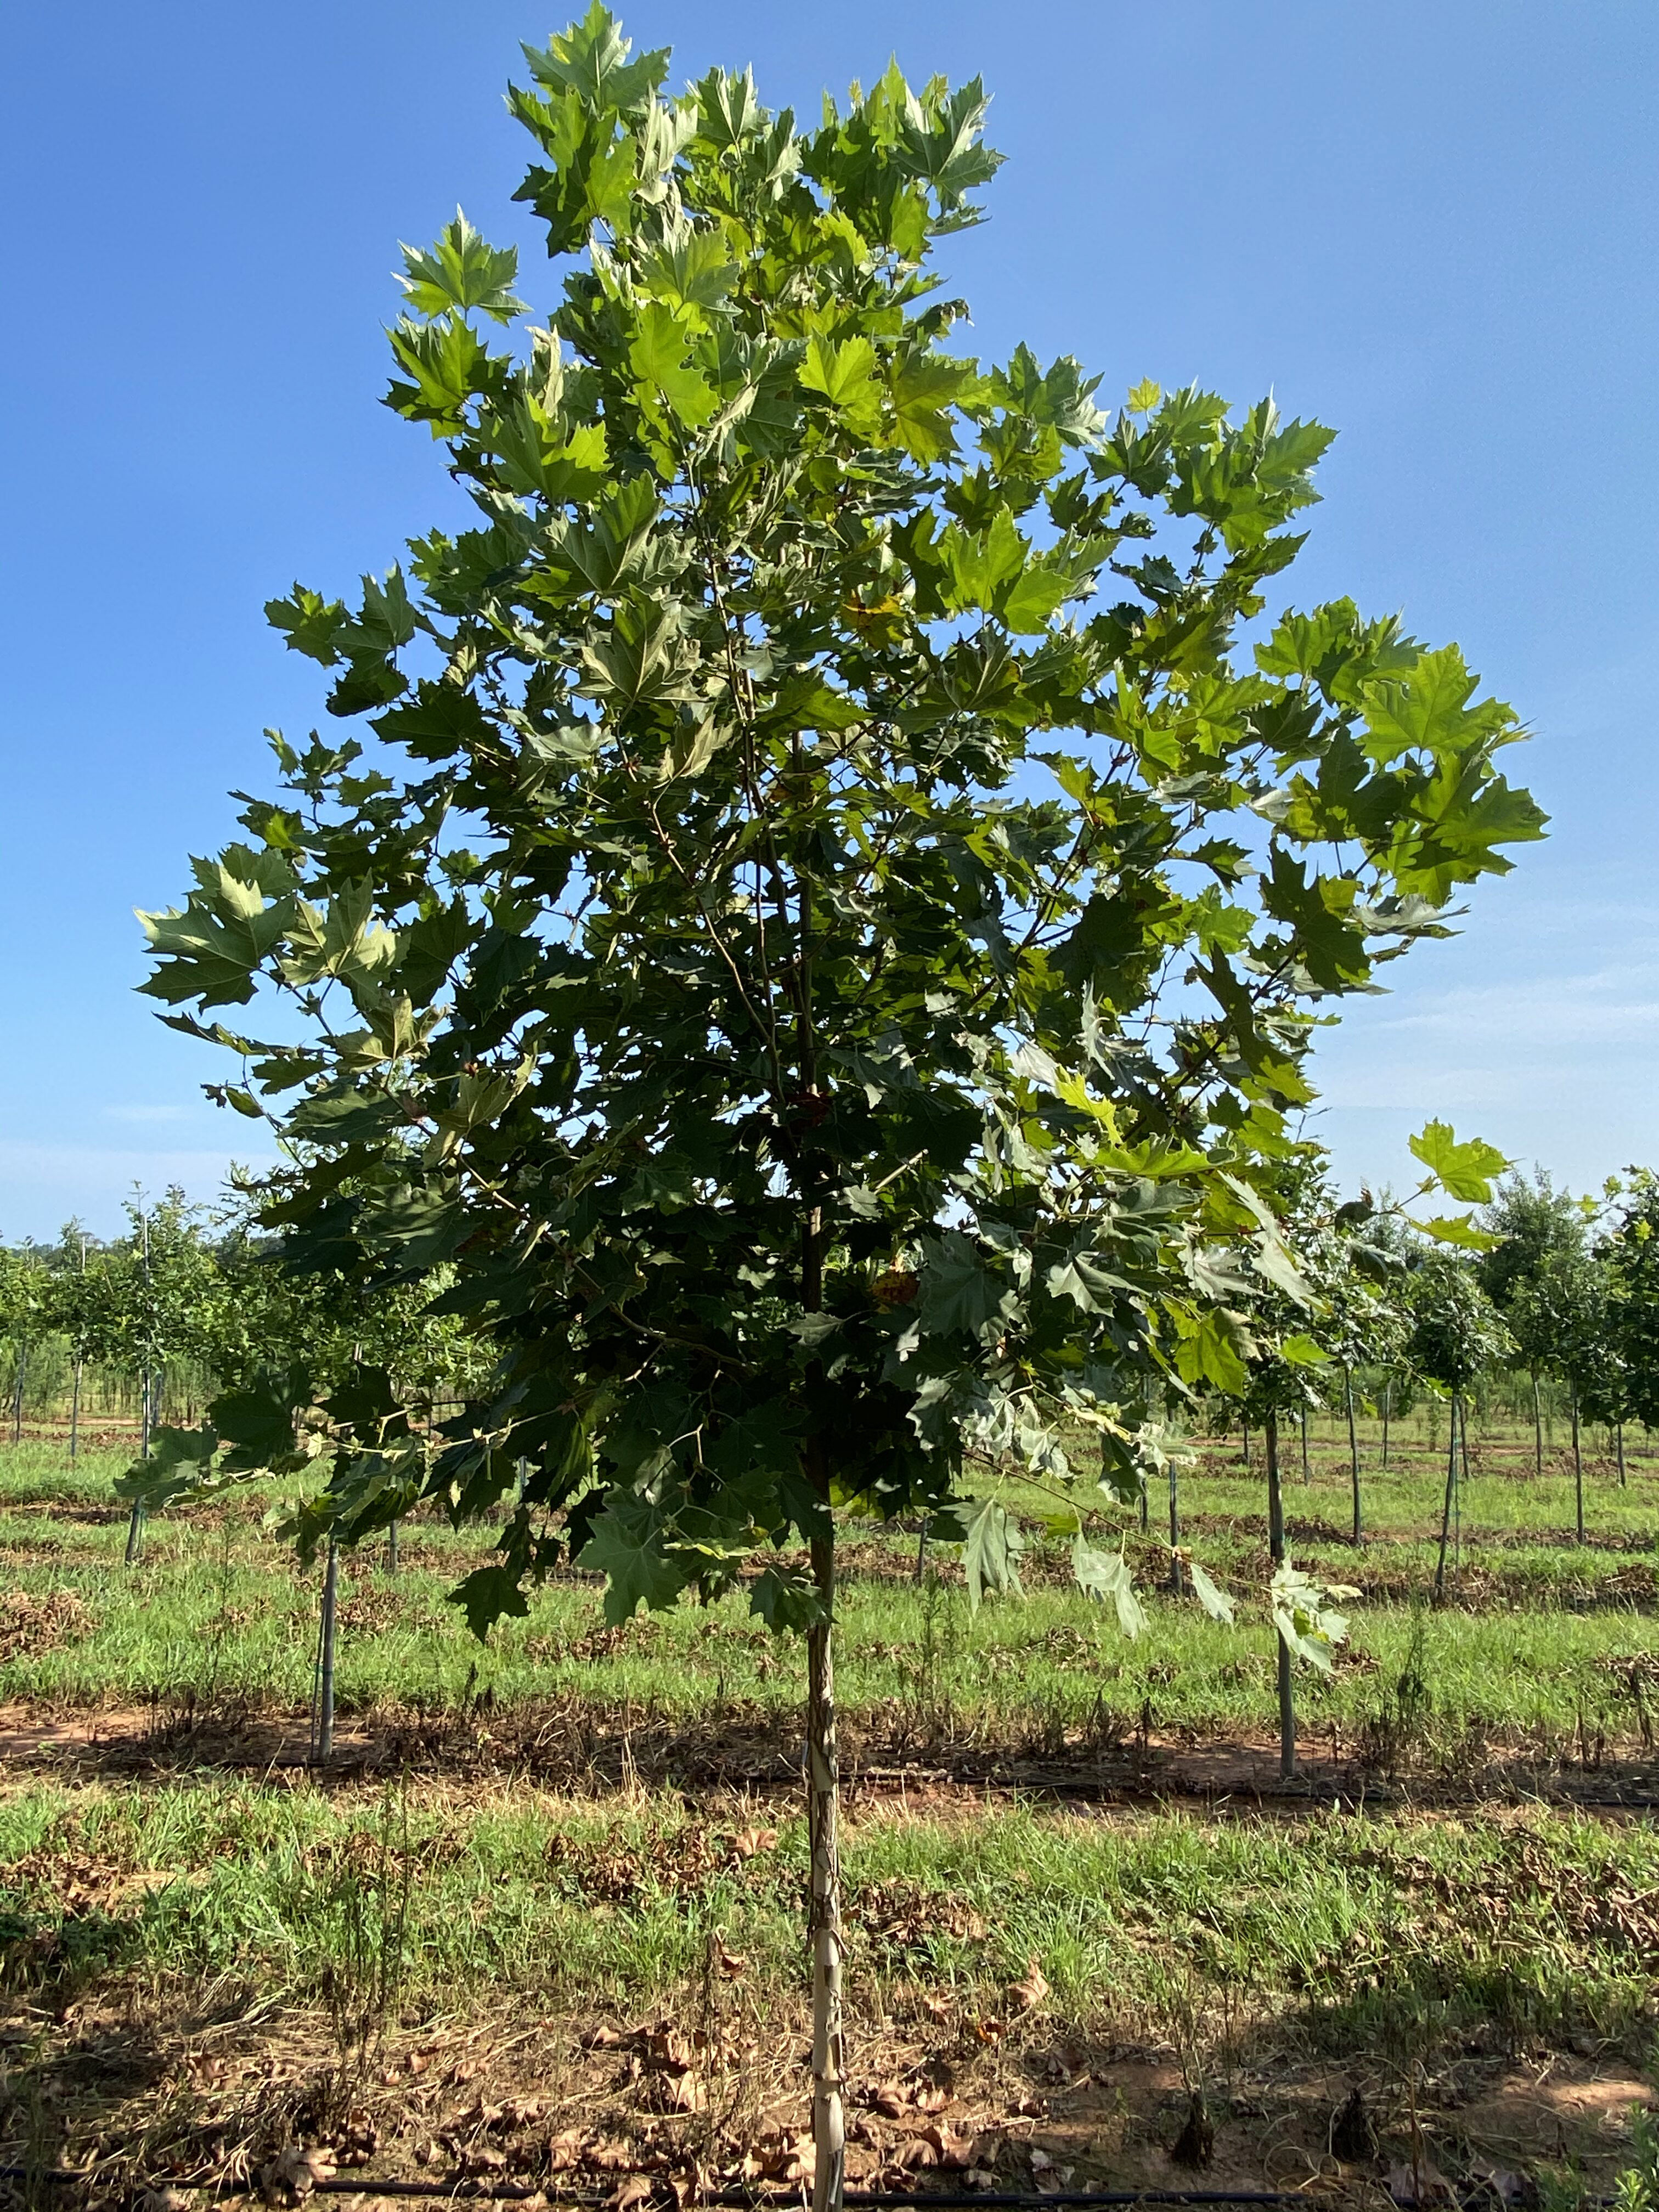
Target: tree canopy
[[824, 927]]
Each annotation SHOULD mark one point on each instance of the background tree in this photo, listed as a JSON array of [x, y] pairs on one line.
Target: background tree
[[1357, 1279], [1457, 1332], [1537, 1226], [826, 974], [162, 1286], [24, 1317], [1629, 1251], [80, 1311], [1563, 1311]]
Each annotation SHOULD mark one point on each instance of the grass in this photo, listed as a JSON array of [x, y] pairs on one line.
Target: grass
[[285, 1929], [1540, 1924], [1544, 1640]]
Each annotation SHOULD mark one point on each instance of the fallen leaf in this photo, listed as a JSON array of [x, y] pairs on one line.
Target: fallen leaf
[[564, 2150], [1508, 2188], [632, 2190], [1025, 1996], [296, 2171], [1418, 2184], [956, 2146]]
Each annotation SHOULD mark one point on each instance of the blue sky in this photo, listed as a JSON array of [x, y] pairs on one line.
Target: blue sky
[[1434, 227]]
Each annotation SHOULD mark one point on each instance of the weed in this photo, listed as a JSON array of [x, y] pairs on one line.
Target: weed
[[366, 1913], [1397, 1728]]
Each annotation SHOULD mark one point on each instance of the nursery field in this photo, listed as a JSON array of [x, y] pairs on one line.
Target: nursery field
[[536, 1923]]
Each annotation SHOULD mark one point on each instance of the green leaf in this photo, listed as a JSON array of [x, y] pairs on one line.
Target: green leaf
[[1213, 1599], [489, 1594], [1089, 1280], [845, 374], [591, 60], [1106, 1574], [1458, 1228], [1304, 1615], [461, 271], [640, 656], [691, 270], [312, 624], [1463, 1171], [540, 454], [627, 1547], [924, 388], [991, 1551], [659, 352], [1302, 1352], [448, 366], [958, 1292], [178, 1465], [978, 566], [256, 1422], [1207, 1354], [785, 1600]]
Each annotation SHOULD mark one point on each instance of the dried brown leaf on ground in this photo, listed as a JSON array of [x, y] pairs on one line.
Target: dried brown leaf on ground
[[1026, 1994], [294, 2173]]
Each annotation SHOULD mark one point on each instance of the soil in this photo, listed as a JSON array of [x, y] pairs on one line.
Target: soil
[[583, 1746]]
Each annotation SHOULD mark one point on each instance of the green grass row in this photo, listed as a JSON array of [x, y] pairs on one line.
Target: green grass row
[[1381, 1932], [220, 1613]]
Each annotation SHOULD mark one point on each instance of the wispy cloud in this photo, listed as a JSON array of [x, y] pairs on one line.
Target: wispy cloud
[[41, 1184], [145, 1113]]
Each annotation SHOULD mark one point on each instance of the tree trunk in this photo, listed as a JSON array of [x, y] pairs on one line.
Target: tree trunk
[[823, 1783], [1537, 1427], [17, 1397], [75, 1416], [1387, 1409], [1353, 1460], [1619, 1446], [135, 1518], [1175, 1533], [1578, 1466], [391, 1548], [1245, 1454], [323, 1737], [1276, 1547], [1446, 1510], [1307, 1471]]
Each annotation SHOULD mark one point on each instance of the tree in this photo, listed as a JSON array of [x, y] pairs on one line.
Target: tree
[[1535, 1226], [1561, 1315], [1349, 1256], [24, 1317], [1282, 1367], [814, 1066], [1628, 1251], [79, 1307], [160, 1288], [1457, 1332]]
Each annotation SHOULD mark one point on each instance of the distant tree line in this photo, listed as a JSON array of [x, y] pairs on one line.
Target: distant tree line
[[187, 1304]]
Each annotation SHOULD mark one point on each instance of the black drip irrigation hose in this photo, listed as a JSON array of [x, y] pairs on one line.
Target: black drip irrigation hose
[[466, 2185]]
